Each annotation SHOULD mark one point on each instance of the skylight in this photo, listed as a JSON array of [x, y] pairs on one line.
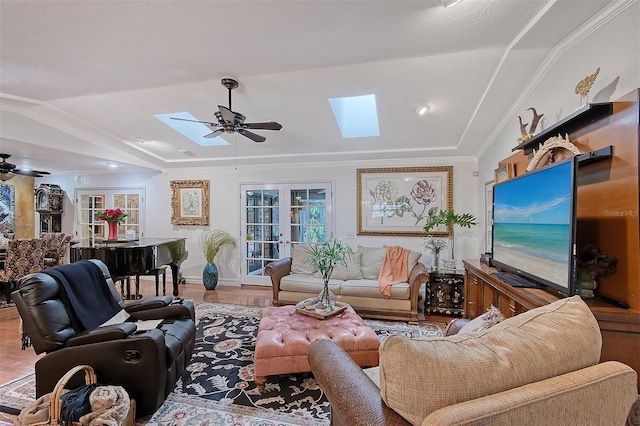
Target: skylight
[[194, 131], [357, 116]]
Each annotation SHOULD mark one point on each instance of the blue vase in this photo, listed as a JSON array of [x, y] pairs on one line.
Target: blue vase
[[210, 276]]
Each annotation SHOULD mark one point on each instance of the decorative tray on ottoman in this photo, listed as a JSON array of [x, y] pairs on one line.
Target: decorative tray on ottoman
[[308, 307]]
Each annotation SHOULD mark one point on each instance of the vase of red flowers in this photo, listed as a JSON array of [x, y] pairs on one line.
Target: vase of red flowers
[[113, 217]]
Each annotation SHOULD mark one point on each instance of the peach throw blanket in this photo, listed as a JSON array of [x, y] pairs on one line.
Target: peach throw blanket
[[394, 269]]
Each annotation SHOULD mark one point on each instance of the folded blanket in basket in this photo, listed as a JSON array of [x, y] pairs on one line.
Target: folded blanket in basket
[[109, 407]]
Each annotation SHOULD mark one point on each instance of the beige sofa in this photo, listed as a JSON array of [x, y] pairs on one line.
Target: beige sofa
[[538, 368], [294, 280]]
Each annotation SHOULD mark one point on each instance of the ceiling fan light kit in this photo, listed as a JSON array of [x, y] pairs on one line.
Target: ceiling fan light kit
[[230, 121]]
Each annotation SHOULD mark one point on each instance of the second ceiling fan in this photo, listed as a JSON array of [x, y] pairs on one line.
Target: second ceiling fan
[[230, 121]]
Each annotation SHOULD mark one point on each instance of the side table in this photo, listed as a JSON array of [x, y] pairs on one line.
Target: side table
[[445, 293]]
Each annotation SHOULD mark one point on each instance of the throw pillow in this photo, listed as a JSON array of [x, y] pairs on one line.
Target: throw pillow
[[352, 271], [371, 262], [538, 344], [490, 318], [300, 261]]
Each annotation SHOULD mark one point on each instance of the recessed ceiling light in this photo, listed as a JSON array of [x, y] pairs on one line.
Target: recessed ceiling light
[[423, 109], [113, 165]]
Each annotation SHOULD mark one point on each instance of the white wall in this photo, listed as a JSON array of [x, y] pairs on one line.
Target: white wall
[[614, 47], [225, 202]]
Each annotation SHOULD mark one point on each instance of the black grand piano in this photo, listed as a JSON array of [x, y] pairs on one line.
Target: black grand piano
[[126, 258]]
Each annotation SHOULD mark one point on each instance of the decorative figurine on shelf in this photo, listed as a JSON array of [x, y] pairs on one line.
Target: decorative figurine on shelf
[[526, 135], [584, 86], [591, 264], [550, 146]]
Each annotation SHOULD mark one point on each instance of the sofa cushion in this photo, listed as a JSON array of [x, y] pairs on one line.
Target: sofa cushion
[[352, 270], [371, 261], [300, 260], [487, 320], [544, 342], [303, 283], [371, 290]]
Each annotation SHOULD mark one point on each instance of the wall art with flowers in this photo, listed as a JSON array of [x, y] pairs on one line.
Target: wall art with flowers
[[398, 201]]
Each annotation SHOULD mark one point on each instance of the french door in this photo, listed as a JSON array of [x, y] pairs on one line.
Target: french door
[[276, 217], [90, 201]]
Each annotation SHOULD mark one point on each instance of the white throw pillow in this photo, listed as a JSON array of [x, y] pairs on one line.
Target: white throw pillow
[[352, 271], [371, 261], [300, 260], [487, 320]]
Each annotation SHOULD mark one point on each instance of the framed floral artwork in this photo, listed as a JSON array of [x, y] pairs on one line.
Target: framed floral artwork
[[398, 201], [190, 202]]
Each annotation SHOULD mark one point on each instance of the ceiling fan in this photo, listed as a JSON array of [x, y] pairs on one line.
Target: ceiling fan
[[230, 121], [8, 170]]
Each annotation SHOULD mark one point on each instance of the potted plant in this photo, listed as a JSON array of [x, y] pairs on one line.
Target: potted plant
[[592, 263], [211, 242], [449, 218], [324, 257]]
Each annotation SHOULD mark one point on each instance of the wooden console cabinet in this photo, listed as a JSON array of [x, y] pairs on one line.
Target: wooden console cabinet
[[620, 327]]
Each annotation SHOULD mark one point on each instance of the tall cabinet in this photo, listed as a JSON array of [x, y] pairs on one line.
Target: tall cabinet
[[607, 216]]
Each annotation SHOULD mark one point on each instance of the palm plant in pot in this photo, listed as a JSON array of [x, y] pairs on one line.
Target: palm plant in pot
[[324, 257], [211, 242], [449, 218]]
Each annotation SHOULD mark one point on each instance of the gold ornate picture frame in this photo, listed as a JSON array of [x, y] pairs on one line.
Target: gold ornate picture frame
[[397, 201], [190, 202]]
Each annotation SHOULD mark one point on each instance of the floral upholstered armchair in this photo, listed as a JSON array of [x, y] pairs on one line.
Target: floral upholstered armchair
[[56, 247], [23, 256]]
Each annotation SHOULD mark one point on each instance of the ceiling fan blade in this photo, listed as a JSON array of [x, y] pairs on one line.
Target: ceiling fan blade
[[32, 173], [227, 115], [214, 133], [196, 121], [254, 137], [269, 125]]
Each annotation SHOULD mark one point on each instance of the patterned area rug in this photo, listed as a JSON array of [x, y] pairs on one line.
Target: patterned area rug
[[218, 386]]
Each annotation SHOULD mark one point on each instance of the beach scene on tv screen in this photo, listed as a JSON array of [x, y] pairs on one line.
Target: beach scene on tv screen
[[532, 224]]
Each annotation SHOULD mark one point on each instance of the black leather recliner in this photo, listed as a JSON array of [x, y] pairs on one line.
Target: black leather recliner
[[146, 363]]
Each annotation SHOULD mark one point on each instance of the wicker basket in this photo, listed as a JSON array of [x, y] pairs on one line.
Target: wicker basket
[[55, 406]]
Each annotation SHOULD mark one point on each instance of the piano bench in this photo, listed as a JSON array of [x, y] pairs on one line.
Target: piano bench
[[156, 273]]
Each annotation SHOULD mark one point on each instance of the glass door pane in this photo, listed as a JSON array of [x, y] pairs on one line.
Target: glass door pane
[[277, 216], [261, 231], [90, 201]]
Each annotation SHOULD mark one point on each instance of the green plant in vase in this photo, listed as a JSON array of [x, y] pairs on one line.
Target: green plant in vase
[[435, 246], [449, 218], [211, 242], [324, 257]]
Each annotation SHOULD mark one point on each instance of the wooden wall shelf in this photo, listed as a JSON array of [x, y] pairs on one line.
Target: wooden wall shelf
[[580, 118]]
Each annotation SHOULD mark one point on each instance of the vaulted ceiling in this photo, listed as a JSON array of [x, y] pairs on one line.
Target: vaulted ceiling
[[81, 81]]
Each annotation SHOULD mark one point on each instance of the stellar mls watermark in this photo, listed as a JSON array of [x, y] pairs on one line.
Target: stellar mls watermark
[[621, 213]]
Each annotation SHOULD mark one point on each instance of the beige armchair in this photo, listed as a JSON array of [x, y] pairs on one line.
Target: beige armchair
[[538, 368]]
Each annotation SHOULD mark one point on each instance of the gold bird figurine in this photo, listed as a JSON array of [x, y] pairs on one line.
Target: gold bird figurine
[[583, 87]]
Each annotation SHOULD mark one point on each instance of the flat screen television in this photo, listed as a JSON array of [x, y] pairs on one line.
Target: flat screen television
[[534, 228]]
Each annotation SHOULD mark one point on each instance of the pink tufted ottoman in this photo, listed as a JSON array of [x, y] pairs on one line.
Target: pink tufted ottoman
[[284, 337]]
